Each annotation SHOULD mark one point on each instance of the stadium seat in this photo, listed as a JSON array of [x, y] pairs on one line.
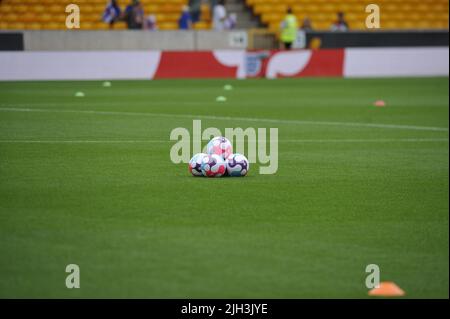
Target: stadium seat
[[201, 25]]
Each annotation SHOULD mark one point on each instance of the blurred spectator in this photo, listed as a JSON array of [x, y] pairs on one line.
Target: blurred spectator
[[219, 16], [341, 24], [185, 21], [212, 3], [150, 23], [195, 7], [289, 28], [134, 15], [306, 25], [112, 13], [231, 21]]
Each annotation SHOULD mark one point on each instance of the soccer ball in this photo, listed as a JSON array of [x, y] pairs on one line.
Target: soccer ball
[[195, 164], [213, 166], [220, 146], [237, 165]]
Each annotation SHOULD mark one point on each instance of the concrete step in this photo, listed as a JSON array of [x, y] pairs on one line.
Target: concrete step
[[245, 18], [234, 7]]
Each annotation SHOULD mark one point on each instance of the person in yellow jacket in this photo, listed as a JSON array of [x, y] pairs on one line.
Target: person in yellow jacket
[[289, 27]]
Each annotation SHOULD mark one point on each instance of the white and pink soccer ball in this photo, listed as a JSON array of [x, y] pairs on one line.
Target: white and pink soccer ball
[[213, 166], [219, 146], [237, 165], [195, 164], [219, 160]]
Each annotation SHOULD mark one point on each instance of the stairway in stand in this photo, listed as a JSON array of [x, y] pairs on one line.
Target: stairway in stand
[[245, 17]]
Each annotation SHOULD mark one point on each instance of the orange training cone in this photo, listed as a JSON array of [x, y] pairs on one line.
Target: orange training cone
[[387, 289], [379, 103]]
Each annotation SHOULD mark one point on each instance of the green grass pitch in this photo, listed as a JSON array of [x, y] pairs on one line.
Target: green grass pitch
[[98, 189]]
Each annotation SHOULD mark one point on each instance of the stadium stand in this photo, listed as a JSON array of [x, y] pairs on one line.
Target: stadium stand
[[50, 14], [395, 14]]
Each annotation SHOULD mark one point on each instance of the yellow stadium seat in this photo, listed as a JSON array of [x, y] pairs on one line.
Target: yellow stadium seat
[[39, 9], [20, 9], [16, 26], [100, 25], [120, 26], [87, 9], [442, 24], [151, 8], [168, 26], [45, 18], [167, 17], [357, 24], [202, 26], [5, 8], [323, 17], [272, 17], [53, 26], [11, 17], [165, 8], [322, 25], [56, 9], [15, 2], [34, 26], [87, 25], [28, 17], [260, 9], [90, 18], [329, 7]]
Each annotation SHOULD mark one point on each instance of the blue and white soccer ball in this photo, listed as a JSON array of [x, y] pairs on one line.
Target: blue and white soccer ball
[[195, 164], [213, 166], [237, 165], [220, 146]]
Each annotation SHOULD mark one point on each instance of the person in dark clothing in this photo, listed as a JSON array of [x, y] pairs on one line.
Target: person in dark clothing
[[306, 25], [195, 10], [134, 15], [341, 24]]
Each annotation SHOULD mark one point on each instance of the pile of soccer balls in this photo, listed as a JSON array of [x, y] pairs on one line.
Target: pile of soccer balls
[[219, 160]]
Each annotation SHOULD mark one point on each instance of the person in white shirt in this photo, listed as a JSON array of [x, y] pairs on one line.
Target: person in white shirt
[[231, 21], [219, 16]]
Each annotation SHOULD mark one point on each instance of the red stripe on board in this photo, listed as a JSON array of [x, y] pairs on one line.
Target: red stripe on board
[[325, 63], [186, 64]]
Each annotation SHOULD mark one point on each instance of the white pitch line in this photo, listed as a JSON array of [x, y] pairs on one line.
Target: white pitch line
[[381, 140], [228, 118], [393, 140], [83, 141]]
